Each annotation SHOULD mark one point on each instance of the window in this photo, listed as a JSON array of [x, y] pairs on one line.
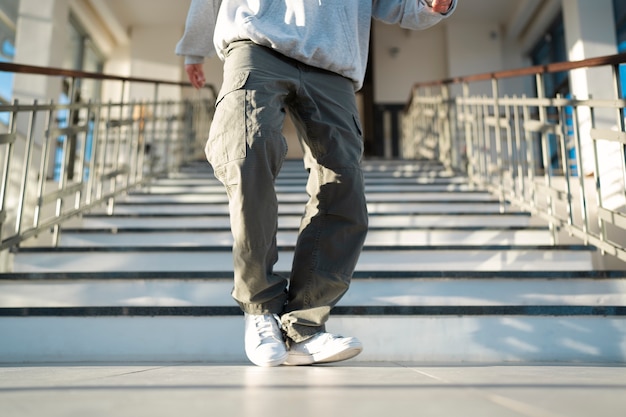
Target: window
[[82, 55], [551, 48], [8, 19], [619, 10]]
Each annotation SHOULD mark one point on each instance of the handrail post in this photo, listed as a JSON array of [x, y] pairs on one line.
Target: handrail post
[[547, 166], [499, 168], [7, 163], [469, 136], [28, 152]]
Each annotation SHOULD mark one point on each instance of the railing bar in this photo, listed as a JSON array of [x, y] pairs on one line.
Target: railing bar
[[598, 186], [116, 161], [581, 173], [533, 70], [7, 161], [66, 131], [621, 122], [37, 70], [60, 193], [44, 164], [609, 135], [495, 90], [141, 151], [7, 138], [566, 165], [81, 160], [91, 166], [547, 165], [28, 152]]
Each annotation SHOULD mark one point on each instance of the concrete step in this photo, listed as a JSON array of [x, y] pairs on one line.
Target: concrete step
[[496, 334], [202, 258], [376, 237], [301, 197], [519, 316], [291, 181], [376, 220], [383, 288], [199, 187], [399, 207]]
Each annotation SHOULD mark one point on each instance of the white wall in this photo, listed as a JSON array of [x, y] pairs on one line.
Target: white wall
[[152, 56], [474, 47], [403, 57]]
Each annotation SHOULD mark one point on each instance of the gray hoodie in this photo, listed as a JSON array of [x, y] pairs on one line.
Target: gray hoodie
[[328, 34]]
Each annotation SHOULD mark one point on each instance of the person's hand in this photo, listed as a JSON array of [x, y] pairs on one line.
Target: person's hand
[[441, 6], [195, 73]]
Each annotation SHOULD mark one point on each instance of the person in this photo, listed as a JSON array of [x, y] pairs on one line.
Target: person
[[307, 57]]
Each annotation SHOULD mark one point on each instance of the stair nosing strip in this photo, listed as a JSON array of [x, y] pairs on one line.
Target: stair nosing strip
[[147, 230], [357, 276], [288, 248], [203, 311], [411, 213], [299, 203], [290, 192]]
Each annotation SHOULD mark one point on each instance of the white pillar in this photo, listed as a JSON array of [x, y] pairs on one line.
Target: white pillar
[[589, 33], [41, 40]]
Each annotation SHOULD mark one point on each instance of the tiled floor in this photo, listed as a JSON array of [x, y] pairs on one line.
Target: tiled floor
[[347, 389]]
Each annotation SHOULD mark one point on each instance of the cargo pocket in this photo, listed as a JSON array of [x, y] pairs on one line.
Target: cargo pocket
[[227, 137]]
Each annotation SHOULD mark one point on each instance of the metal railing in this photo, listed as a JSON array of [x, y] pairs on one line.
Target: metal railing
[[561, 158], [62, 160]]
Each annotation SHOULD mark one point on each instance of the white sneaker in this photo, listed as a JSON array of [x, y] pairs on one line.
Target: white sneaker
[[263, 340], [323, 348]]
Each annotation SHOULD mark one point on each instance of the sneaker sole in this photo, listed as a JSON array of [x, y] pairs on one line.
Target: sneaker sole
[[274, 362], [349, 351]]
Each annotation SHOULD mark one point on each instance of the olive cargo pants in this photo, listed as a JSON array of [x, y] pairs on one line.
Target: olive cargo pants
[[246, 149]]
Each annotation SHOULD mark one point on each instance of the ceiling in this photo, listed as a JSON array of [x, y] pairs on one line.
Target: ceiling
[[149, 12], [171, 12]]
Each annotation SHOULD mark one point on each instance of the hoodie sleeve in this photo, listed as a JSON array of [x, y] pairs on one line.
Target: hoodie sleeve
[[409, 14], [197, 41]]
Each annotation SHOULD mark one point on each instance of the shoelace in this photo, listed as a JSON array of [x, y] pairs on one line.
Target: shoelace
[[265, 328]]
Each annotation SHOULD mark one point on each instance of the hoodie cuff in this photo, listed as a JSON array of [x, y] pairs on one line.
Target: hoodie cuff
[[193, 59]]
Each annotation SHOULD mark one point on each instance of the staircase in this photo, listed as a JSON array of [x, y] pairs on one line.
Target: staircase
[[448, 273]]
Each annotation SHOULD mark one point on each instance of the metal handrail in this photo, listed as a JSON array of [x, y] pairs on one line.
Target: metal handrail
[[561, 158], [62, 160]]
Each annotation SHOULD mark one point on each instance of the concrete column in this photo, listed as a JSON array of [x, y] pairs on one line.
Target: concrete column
[[41, 40], [590, 32]]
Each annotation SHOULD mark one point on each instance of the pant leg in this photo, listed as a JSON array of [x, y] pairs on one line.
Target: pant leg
[[334, 225], [246, 149]]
